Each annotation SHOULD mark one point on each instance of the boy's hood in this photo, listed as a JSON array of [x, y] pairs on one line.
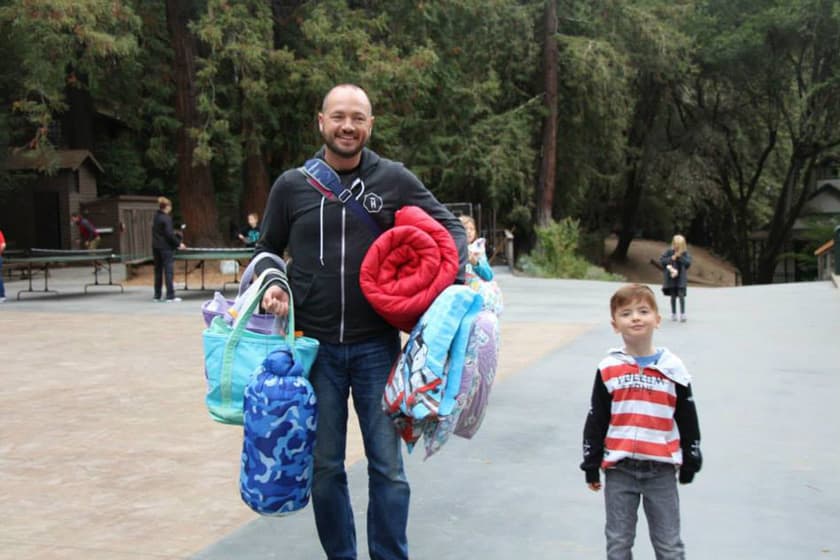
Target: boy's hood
[[669, 364]]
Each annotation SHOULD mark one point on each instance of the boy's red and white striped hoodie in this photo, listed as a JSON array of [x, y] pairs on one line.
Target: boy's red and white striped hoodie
[[642, 413]]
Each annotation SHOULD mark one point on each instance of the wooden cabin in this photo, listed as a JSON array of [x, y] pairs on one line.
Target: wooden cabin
[[36, 209]]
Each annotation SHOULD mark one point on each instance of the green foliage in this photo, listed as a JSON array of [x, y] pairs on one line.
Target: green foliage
[[60, 44], [744, 92], [556, 255], [123, 165]]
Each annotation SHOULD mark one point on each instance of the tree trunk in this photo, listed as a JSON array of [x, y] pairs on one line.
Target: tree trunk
[[282, 11], [548, 165], [787, 209], [256, 182], [639, 154], [77, 121], [195, 182]]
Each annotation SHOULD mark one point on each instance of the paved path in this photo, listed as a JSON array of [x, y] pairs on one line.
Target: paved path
[[766, 367]]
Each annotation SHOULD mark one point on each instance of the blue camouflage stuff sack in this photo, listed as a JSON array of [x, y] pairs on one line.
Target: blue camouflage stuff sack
[[279, 437]]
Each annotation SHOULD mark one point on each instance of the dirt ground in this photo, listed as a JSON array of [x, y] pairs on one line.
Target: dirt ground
[[706, 269], [143, 275]]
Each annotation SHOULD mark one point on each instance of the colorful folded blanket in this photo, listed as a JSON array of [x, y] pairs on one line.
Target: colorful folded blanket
[[426, 380]]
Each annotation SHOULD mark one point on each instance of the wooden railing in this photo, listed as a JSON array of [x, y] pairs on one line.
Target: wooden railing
[[828, 257]]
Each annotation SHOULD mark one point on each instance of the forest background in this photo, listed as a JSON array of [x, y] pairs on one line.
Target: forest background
[[705, 117]]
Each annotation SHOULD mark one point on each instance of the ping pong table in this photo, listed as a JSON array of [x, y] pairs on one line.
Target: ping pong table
[[201, 255], [42, 259]]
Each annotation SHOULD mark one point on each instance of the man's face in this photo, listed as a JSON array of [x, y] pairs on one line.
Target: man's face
[[346, 122]]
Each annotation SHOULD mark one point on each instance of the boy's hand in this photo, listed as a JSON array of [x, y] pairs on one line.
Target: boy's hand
[[594, 486]]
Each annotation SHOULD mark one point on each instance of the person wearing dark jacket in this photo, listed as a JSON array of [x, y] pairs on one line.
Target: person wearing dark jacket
[[164, 244], [675, 264], [326, 241]]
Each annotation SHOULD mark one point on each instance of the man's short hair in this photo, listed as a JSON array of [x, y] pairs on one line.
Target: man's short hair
[[626, 295]]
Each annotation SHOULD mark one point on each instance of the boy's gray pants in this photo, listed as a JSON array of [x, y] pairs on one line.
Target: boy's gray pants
[[656, 484]]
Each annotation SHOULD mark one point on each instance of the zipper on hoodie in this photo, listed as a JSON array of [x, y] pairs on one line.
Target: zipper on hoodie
[[343, 248]]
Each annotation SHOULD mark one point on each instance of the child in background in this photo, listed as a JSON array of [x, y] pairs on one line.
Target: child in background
[[250, 234], [641, 430], [476, 252], [675, 262], [88, 234]]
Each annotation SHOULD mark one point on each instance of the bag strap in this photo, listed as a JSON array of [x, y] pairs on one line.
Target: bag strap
[[252, 304], [325, 180]]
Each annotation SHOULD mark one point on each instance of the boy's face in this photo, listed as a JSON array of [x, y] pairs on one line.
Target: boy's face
[[252, 220], [636, 321]]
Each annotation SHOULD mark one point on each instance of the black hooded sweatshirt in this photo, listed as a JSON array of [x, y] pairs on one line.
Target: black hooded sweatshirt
[[327, 241]]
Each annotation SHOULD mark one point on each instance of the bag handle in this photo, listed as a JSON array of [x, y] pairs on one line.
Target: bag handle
[[253, 301], [248, 273]]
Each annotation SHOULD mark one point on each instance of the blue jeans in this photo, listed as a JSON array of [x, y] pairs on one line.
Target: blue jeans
[[656, 483], [363, 368]]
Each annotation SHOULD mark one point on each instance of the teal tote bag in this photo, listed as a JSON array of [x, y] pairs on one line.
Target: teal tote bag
[[232, 354]]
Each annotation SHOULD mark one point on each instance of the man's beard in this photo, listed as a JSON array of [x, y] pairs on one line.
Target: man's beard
[[334, 147]]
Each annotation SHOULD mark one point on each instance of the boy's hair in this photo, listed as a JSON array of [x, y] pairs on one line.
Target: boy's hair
[[255, 215], [630, 293]]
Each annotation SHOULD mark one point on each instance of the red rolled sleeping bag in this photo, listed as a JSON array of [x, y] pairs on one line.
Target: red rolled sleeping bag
[[408, 266]]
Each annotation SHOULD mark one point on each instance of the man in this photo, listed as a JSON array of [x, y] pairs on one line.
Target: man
[[88, 235], [327, 242]]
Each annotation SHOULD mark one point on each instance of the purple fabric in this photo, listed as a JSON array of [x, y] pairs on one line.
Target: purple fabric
[[476, 381], [479, 373], [218, 307]]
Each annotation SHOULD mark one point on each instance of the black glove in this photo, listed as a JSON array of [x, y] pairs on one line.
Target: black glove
[[686, 476]]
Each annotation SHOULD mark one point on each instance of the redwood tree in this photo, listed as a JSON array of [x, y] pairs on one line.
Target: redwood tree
[[548, 163], [195, 182]]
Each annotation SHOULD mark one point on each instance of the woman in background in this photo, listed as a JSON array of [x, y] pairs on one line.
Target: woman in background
[[675, 262], [164, 243]]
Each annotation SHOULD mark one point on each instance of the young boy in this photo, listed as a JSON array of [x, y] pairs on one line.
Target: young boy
[[642, 427]]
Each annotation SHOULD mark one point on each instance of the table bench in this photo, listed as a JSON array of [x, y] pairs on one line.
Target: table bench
[[42, 259]]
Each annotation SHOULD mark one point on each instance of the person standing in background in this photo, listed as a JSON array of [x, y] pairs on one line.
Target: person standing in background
[[88, 235], [675, 262], [2, 250], [476, 252], [164, 244]]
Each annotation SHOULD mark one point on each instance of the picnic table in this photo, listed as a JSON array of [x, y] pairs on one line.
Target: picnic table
[[200, 255], [42, 259]]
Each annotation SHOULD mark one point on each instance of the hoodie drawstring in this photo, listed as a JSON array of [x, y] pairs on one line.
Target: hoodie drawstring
[[321, 256]]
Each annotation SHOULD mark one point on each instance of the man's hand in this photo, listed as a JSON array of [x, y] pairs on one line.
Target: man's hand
[[594, 486], [276, 300]]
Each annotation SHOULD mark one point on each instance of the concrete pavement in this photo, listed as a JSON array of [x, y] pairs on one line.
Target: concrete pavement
[[766, 368]]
